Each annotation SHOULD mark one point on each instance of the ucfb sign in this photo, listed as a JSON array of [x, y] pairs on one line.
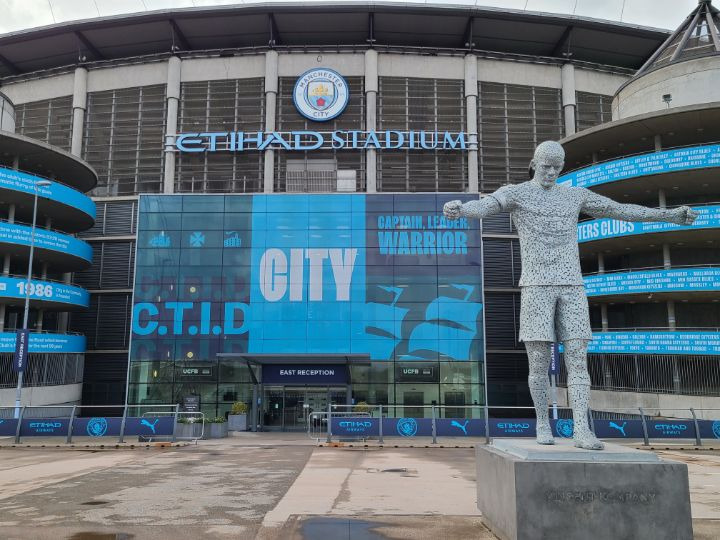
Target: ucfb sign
[[320, 95]]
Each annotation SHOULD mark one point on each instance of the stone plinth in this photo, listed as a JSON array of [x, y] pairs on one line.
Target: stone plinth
[[532, 492]]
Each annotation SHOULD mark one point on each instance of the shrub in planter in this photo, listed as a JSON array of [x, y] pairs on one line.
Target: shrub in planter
[[189, 427], [216, 428], [237, 419]]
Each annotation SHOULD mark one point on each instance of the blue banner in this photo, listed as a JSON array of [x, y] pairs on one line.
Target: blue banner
[[51, 291], [598, 229], [98, 426], [149, 426], [671, 429], [24, 182], [12, 233], [697, 157], [45, 343], [8, 427], [43, 427], [709, 429], [656, 342], [380, 275], [21, 350], [685, 279], [623, 429]]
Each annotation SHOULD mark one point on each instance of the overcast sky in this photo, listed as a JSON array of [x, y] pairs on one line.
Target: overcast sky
[[22, 14]]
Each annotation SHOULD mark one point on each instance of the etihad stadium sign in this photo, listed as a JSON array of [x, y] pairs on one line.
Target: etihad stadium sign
[[320, 95], [243, 141]]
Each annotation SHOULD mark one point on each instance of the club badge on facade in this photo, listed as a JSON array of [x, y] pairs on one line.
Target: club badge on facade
[[321, 94]]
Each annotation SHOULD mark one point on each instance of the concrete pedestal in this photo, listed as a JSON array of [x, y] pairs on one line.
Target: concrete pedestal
[[532, 492]]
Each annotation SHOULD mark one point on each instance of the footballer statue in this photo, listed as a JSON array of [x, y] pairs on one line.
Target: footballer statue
[[553, 302]]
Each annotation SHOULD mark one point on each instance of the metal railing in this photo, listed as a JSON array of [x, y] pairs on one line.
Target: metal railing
[[43, 369], [72, 420], [481, 421]]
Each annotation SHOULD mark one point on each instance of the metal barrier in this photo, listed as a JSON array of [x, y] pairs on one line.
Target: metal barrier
[[440, 421], [72, 420]]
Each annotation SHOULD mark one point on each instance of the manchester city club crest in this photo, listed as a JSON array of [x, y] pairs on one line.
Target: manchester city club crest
[[96, 427], [321, 94], [407, 427], [564, 428], [716, 429]]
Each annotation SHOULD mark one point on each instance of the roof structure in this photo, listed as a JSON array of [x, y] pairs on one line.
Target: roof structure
[[358, 23], [696, 37]]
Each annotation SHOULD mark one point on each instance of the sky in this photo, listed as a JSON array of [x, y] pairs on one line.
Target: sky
[[23, 14]]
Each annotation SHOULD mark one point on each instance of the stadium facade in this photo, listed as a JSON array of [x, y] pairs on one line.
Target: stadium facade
[[270, 185]]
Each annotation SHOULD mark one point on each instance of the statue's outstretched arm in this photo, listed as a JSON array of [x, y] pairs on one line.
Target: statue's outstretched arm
[[598, 206], [479, 209]]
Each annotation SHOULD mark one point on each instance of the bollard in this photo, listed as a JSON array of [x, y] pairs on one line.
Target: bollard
[[17, 429]]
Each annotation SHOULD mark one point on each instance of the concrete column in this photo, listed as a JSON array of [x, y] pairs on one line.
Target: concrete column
[[79, 105], [658, 143], [568, 97], [604, 317], [671, 314], [271, 91], [6, 265], [471, 95], [601, 263], [371, 91], [667, 261], [662, 201], [172, 100]]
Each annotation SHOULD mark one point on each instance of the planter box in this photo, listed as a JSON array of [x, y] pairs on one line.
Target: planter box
[[189, 431], [237, 422], [216, 431]]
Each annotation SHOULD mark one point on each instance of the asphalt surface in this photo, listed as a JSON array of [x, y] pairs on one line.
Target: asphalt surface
[[266, 487]]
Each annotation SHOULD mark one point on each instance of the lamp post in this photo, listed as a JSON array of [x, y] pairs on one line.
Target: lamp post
[[18, 389]]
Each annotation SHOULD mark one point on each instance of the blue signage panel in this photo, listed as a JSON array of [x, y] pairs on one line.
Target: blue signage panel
[[697, 157], [686, 279], [656, 342], [21, 350], [407, 427], [98, 426], [8, 427], [24, 182], [38, 427], [709, 429], [149, 426], [13, 233], [304, 374], [598, 229], [671, 429], [460, 427], [385, 276], [512, 427], [356, 426], [614, 429], [51, 291], [45, 343]]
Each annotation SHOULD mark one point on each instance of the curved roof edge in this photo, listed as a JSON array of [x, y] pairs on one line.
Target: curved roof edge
[[341, 23], [45, 159]]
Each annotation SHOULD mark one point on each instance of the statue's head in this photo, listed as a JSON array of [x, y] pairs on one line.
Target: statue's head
[[548, 162]]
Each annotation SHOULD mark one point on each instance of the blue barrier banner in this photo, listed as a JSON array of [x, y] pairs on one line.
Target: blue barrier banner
[[687, 279], [598, 229], [512, 427], [51, 291], [356, 426], [709, 429], [98, 426], [680, 159], [45, 343], [671, 429], [13, 233], [407, 427], [8, 427], [460, 427], [39, 427], [149, 426], [24, 182], [656, 342], [622, 429]]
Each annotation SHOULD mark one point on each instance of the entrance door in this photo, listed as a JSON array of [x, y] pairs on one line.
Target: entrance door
[[287, 408], [274, 406], [294, 412]]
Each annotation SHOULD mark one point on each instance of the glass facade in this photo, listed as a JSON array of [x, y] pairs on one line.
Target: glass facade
[[384, 279]]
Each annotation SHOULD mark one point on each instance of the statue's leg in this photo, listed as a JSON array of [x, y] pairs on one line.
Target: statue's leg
[[539, 355], [578, 383]]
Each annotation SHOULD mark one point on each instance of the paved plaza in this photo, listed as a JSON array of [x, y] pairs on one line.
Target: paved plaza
[[266, 486]]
